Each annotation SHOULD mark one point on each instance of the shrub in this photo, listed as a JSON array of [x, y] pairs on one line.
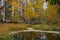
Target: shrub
[[55, 28], [42, 27]]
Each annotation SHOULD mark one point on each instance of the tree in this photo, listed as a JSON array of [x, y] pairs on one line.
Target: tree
[[51, 14], [33, 10], [57, 3], [54, 2], [13, 7], [8, 9]]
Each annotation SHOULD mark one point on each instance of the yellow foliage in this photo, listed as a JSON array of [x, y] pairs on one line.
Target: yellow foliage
[[29, 13], [27, 16], [51, 12], [14, 3], [6, 0], [38, 2], [35, 15], [16, 17]]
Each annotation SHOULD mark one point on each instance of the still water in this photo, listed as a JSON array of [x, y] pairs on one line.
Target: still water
[[35, 36]]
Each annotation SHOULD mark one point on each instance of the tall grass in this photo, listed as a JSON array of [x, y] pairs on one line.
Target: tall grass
[[5, 29], [12, 27]]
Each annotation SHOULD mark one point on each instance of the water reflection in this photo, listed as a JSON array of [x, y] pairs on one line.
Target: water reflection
[[35, 36], [43, 36]]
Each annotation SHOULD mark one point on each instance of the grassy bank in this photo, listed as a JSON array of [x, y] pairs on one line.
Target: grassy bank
[[6, 28], [46, 27]]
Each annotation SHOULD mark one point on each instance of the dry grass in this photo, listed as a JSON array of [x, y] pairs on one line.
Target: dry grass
[[7, 27]]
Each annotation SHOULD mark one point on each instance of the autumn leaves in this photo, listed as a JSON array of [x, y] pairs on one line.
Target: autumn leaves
[[32, 9]]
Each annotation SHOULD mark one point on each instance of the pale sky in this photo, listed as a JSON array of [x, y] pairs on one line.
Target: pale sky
[[2, 2], [45, 5]]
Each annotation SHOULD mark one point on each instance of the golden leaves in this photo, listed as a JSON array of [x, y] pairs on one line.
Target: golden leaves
[[35, 15], [14, 3], [51, 12], [38, 2], [6, 0], [30, 10]]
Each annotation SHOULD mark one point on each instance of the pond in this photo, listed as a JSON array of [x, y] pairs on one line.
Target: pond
[[35, 36]]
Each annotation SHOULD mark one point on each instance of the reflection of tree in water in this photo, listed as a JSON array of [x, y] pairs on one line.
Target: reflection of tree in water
[[43, 36], [53, 36], [35, 36]]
